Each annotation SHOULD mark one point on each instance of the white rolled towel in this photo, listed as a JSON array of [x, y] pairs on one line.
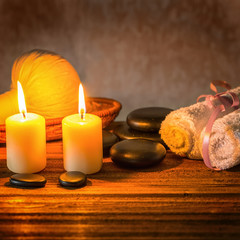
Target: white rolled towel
[[224, 142], [181, 129]]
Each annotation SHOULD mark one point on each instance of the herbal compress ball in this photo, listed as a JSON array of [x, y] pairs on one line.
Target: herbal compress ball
[[50, 85]]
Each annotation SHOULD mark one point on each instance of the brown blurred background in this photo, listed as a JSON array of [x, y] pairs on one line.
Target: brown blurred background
[[140, 52]]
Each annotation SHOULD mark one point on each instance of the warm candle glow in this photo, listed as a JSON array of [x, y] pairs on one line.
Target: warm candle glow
[[82, 140], [25, 139], [21, 100], [81, 103]]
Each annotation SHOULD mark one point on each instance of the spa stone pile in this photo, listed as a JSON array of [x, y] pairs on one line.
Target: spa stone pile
[[141, 145]]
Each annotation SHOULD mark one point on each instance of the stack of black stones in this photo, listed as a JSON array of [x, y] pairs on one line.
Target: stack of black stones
[[140, 144]]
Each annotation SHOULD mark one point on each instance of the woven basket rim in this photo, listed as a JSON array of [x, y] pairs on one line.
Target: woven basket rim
[[112, 110]]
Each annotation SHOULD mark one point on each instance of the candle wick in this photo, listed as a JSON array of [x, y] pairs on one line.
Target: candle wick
[[24, 114], [82, 114]]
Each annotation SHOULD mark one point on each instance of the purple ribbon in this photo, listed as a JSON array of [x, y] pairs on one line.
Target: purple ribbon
[[225, 103]]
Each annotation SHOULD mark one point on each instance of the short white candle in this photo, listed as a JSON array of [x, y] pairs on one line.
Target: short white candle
[[25, 140], [82, 140]]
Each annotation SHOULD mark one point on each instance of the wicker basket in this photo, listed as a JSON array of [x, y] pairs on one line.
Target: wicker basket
[[107, 109]]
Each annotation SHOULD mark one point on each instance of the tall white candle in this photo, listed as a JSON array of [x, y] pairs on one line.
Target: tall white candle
[[82, 140], [25, 140]]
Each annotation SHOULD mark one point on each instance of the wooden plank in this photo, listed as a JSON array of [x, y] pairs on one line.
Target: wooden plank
[[177, 199]]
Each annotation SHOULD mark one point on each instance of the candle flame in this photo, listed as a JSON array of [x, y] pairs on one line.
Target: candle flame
[[81, 102], [21, 100]]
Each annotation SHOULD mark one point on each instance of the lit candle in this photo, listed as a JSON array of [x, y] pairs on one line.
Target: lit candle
[[82, 140], [25, 139]]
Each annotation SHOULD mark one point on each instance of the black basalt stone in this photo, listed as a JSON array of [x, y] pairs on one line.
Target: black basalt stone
[[28, 180], [147, 119], [109, 139], [73, 179], [124, 132], [137, 153]]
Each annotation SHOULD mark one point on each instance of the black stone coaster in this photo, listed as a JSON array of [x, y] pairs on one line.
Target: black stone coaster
[[73, 179], [147, 119], [109, 139], [28, 180], [124, 132], [137, 153]]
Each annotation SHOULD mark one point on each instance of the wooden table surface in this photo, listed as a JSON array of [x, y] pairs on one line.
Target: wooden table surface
[[177, 199]]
